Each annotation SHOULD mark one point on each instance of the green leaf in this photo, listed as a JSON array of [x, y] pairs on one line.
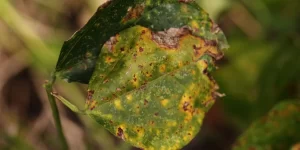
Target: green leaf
[[79, 54], [278, 130]]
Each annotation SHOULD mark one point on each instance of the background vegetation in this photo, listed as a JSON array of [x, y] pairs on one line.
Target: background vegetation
[[261, 68]]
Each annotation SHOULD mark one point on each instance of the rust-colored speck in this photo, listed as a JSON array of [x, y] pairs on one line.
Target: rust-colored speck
[[152, 122], [156, 114], [90, 94], [141, 49], [196, 50], [133, 13], [185, 105], [114, 95], [145, 102], [93, 105], [120, 133], [211, 43], [140, 66], [122, 49], [134, 55], [205, 71], [143, 32]]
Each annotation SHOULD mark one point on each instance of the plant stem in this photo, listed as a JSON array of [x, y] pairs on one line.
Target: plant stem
[[55, 112]]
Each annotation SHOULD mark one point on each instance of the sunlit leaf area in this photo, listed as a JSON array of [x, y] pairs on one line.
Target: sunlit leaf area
[[247, 95]]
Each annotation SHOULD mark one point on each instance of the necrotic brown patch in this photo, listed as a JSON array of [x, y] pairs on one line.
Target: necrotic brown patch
[[90, 94], [120, 133], [169, 38], [133, 13], [185, 106], [111, 43]]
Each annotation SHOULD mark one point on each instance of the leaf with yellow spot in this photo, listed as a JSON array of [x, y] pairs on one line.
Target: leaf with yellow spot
[[166, 109], [150, 85], [79, 54]]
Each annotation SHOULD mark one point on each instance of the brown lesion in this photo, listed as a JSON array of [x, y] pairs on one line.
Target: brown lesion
[[209, 47], [146, 102], [120, 133], [171, 37], [185, 106], [89, 96], [110, 44], [133, 13], [93, 105]]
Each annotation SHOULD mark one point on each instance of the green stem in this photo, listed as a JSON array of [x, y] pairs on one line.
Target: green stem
[[55, 112]]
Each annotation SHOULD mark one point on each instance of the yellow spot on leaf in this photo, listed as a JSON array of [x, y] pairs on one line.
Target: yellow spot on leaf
[[140, 132], [164, 102], [200, 115], [162, 68], [135, 81], [158, 132], [180, 64], [201, 65], [129, 98], [193, 72], [92, 105], [186, 104], [118, 104], [109, 59], [187, 137], [195, 24], [171, 123]]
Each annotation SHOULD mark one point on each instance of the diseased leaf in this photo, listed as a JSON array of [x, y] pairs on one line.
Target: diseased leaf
[[152, 89], [278, 130], [150, 85], [79, 54]]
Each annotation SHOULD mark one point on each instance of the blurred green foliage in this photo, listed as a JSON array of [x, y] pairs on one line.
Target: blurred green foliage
[[260, 69], [278, 130]]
